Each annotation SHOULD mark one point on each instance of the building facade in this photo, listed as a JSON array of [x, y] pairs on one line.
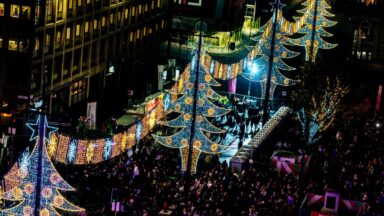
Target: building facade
[[72, 51]]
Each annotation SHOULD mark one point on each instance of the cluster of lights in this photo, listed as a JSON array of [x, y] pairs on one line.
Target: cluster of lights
[[24, 192], [205, 108], [258, 61], [313, 29], [70, 150]]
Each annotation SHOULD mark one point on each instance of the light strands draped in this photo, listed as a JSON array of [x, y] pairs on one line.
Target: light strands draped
[[316, 20]]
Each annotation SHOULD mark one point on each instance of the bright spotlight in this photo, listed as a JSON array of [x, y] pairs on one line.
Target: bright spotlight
[[377, 125], [254, 68]]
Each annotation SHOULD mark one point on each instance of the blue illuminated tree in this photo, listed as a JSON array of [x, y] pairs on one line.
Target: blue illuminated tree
[[38, 194], [316, 14], [320, 112], [267, 59], [203, 128]]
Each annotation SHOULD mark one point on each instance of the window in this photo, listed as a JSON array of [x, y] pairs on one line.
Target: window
[[153, 4], [86, 27], [144, 31], [78, 27], [158, 3], [47, 42], [23, 45], [79, 2], [37, 47], [146, 8], [139, 10], [78, 91], [1, 42], [133, 11], [58, 40], [126, 13], [131, 37], [138, 34], [103, 22], [95, 24], [111, 18], [1, 9], [37, 14], [88, 2], [49, 10], [12, 44], [15, 11], [68, 31], [26, 12], [70, 3], [59, 8]]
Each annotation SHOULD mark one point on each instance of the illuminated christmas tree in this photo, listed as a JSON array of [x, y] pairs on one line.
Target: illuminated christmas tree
[[38, 182], [316, 14], [204, 108], [258, 69], [320, 113]]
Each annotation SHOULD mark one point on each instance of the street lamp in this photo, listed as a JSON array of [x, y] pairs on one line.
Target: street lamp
[[253, 68]]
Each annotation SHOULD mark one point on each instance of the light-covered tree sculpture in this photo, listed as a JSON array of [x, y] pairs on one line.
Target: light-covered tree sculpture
[[316, 14], [30, 200], [266, 59], [320, 113], [203, 128]]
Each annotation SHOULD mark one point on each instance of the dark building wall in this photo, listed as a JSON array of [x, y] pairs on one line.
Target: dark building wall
[[71, 41]]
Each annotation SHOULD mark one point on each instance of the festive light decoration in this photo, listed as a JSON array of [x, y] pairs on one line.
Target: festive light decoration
[[322, 111], [316, 20], [261, 53], [205, 108], [69, 150], [51, 182]]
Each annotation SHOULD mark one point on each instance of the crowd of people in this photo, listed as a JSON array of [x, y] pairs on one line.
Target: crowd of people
[[148, 181]]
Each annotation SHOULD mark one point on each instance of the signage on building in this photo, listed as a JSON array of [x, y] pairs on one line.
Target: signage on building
[[91, 115]]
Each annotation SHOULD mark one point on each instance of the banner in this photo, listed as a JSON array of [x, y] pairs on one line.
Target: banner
[[232, 86], [378, 99], [91, 115]]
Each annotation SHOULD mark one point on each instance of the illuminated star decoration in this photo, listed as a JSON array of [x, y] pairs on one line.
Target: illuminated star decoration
[[314, 29], [23, 196], [203, 128], [35, 127], [262, 54]]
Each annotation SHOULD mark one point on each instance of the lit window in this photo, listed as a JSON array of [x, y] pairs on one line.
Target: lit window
[[47, 39], [60, 5], [70, 4], [144, 31], [12, 44], [1, 42], [78, 30], [131, 37], [152, 4], [158, 3], [95, 24], [79, 2], [138, 34], [139, 10], [111, 18], [15, 11], [68, 31], [37, 44], [133, 11], [86, 27], [88, 1], [1, 9], [58, 37], [162, 24], [23, 45], [103, 22], [150, 31], [145, 8], [25, 12], [126, 14], [118, 16]]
